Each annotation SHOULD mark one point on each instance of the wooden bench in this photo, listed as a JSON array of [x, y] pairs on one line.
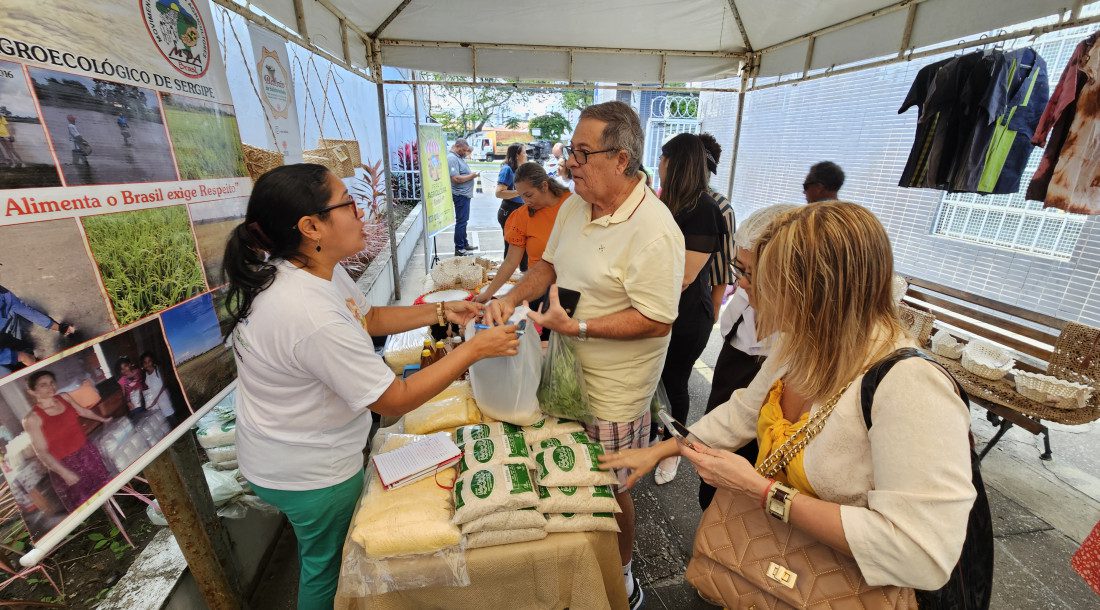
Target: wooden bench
[[1040, 343]]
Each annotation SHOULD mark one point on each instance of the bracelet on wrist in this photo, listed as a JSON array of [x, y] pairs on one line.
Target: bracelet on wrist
[[764, 494], [439, 314]]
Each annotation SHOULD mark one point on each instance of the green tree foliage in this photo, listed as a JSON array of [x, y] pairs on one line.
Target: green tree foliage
[[552, 126], [463, 110], [577, 99]]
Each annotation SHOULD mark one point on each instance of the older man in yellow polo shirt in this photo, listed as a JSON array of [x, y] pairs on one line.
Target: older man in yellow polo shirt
[[616, 243]]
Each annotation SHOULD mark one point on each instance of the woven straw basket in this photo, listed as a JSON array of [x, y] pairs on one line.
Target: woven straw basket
[[334, 156], [945, 345], [986, 360], [351, 146], [258, 161], [1055, 392]]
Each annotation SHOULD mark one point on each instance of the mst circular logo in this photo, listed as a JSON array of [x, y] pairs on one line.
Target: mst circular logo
[[177, 28]]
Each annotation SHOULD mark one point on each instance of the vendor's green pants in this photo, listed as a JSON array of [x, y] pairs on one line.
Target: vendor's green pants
[[320, 518]]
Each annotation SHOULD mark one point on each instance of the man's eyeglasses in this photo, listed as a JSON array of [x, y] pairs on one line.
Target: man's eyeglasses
[[806, 185], [582, 155]]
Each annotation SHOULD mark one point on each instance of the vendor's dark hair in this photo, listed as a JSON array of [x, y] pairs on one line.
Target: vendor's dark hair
[[32, 379], [511, 158], [686, 173], [534, 173], [280, 198]]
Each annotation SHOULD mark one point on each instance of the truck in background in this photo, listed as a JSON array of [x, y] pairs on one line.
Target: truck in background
[[492, 144]]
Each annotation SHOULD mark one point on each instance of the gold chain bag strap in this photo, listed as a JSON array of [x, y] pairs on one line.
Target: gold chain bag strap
[[744, 558]]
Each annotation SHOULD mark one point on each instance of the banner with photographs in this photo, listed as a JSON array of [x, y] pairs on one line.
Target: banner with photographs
[[121, 175]]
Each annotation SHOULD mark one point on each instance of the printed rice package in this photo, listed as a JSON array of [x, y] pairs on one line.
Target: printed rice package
[[573, 465], [505, 449], [557, 500], [573, 438], [495, 488], [485, 430], [483, 539], [450, 409], [216, 432], [582, 522], [526, 518], [550, 427]]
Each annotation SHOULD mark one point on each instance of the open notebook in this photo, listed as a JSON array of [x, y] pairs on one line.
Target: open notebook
[[417, 460]]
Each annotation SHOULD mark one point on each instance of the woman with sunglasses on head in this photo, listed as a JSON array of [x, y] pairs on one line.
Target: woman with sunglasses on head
[[308, 375], [685, 190]]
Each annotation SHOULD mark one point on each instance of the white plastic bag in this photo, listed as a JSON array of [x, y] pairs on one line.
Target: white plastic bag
[[506, 388]]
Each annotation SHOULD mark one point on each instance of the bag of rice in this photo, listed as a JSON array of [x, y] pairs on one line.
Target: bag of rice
[[479, 540], [573, 465], [218, 455], [598, 499], [506, 449], [492, 489], [450, 409], [216, 432], [484, 430], [573, 438], [404, 348], [408, 520], [582, 522], [548, 428], [526, 518]]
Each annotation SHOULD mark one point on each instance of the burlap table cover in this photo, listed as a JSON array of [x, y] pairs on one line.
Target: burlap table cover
[[578, 571]]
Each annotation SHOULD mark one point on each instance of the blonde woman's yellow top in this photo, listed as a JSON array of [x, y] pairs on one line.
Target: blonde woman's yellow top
[[772, 430]]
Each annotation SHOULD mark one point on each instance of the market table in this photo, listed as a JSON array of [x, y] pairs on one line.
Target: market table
[[578, 571]]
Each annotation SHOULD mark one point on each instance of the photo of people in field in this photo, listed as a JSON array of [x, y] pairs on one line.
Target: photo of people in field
[[69, 427], [205, 363], [103, 132], [47, 303], [146, 258], [25, 159]]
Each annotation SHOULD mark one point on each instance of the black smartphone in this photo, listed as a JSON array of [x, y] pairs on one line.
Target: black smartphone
[[676, 429], [568, 300]]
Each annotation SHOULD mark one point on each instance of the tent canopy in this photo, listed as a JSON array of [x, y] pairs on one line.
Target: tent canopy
[[637, 41]]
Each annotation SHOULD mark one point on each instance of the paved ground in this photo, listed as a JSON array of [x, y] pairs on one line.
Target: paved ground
[[1041, 509]]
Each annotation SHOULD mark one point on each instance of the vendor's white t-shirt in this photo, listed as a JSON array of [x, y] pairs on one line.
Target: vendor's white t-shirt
[[307, 372]]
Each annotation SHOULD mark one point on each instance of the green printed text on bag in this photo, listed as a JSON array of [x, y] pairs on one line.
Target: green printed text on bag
[[482, 484], [573, 466]]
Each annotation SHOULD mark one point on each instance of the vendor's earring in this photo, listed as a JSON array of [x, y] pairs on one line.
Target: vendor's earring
[[318, 245]]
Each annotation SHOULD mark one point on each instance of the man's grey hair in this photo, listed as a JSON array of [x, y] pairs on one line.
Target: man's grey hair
[[750, 230], [461, 143], [623, 130], [827, 174]]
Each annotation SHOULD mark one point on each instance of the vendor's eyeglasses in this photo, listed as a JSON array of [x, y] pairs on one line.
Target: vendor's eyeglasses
[[330, 208], [582, 155], [806, 185]]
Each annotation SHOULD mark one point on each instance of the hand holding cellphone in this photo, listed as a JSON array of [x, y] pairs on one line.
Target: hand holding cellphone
[[568, 299], [677, 429]]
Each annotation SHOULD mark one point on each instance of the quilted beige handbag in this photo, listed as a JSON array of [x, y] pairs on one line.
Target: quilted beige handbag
[[745, 559]]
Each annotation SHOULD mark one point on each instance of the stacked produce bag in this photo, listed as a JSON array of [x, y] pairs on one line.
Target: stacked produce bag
[[217, 435], [575, 494]]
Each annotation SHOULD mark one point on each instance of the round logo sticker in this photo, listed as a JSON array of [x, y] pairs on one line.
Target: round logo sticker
[[179, 33], [565, 458], [567, 491], [550, 442], [483, 450], [482, 484]]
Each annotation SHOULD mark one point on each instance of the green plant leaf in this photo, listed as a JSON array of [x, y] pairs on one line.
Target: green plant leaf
[[100, 544]]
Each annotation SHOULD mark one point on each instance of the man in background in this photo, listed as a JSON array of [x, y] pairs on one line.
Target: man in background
[[462, 190], [823, 182]]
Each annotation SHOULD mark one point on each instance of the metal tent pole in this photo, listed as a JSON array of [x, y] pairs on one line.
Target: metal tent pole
[[736, 135], [389, 185], [423, 200]]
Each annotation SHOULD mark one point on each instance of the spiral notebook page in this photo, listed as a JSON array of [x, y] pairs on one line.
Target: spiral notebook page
[[416, 459]]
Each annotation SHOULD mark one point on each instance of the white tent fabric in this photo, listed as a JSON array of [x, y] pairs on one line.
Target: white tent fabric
[[638, 40]]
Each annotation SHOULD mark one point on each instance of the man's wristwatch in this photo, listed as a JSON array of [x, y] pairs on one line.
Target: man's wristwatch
[[778, 503], [582, 330]]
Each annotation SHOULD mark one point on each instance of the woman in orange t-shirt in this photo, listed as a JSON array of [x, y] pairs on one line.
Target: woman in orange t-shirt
[[528, 228]]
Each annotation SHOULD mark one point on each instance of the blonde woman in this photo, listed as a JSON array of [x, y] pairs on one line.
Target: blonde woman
[[895, 497]]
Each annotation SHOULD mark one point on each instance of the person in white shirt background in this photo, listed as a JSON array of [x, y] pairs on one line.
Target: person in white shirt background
[[308, 375], [742, 351], [156, 393]]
